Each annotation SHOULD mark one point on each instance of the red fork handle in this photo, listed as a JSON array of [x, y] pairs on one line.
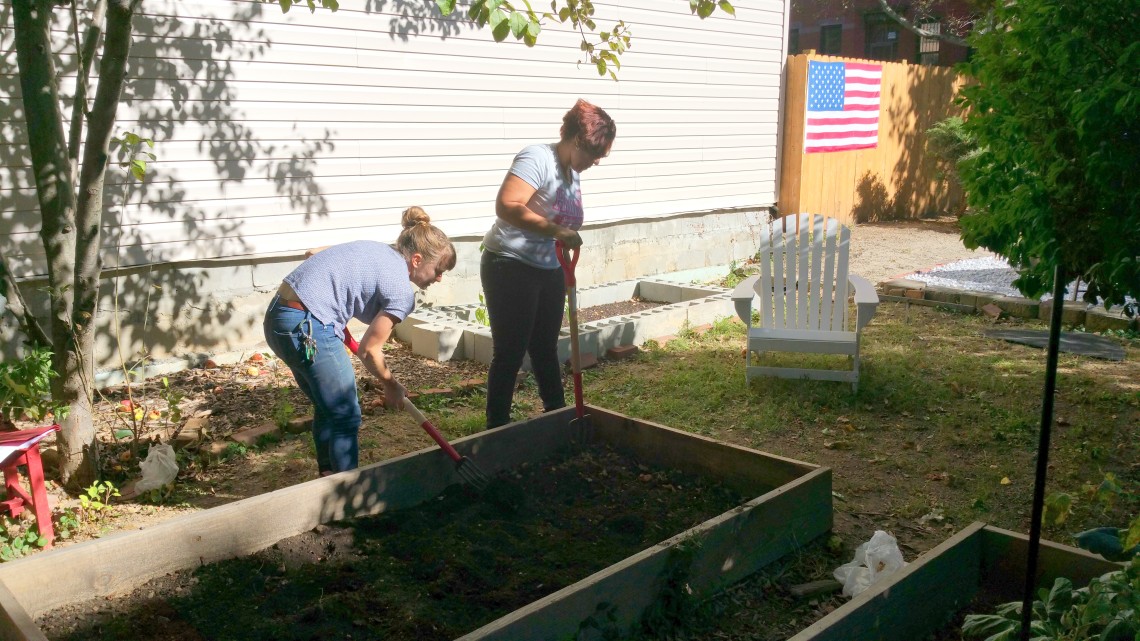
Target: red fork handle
[[568, 258], [579, 404], [350, 342], [432, 432]]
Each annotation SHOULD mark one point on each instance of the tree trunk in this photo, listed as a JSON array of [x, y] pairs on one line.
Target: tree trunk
[[54, 187], [79, 454], [71, 227]]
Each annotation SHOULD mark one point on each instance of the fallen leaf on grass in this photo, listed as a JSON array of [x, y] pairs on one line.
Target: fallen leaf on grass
[[1005, 480], [934, 515]]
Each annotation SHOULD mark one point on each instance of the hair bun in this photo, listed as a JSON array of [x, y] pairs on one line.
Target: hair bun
[[414, 216]]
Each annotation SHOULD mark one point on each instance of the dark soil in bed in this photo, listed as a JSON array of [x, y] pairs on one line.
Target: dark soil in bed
[[436, 571], [620, 308]]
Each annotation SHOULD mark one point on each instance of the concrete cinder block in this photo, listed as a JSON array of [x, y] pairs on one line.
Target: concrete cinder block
[[1099, 319], [902, 283], [478, 346], [437, 341], [1017, 306], [942, 294], [1073, 312], [659, 291], [587, 344]]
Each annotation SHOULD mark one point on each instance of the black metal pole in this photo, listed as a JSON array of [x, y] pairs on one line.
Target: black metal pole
[[1043, 450]]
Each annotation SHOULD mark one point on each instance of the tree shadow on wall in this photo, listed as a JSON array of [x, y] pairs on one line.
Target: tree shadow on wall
[[918, 189], [872, 201], [215, 147]]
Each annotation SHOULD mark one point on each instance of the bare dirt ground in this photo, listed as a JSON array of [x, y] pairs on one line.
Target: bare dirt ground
[[230, 399], [881, 251]]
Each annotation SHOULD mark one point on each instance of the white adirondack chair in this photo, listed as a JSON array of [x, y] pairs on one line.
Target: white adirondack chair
[[804, 288]]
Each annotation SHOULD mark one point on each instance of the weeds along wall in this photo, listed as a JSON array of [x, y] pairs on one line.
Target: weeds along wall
[[898, 179], [275, 133]]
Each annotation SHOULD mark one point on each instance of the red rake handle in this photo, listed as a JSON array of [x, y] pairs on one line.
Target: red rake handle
[[568, 258], [353, 346], [350, 342], [432, 432]]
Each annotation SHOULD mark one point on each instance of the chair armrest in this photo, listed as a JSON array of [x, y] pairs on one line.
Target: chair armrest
[[866, 299], [742, 296]]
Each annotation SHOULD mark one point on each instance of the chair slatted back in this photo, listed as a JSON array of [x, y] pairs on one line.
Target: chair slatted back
[[803, 270]]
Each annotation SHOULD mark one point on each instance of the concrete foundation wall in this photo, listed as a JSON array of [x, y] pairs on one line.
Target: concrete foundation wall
[[181, 313]]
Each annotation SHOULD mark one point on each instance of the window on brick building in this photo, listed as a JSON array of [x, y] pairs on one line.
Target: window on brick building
[[882, 36], [831, 39], [928, 47]]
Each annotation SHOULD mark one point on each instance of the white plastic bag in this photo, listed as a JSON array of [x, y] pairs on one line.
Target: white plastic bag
[[159, 469], [874, 559]]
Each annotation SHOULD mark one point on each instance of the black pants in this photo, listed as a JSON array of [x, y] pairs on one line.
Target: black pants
[[525, 307]]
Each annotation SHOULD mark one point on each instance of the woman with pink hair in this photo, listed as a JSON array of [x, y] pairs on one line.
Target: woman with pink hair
[[539, 202]]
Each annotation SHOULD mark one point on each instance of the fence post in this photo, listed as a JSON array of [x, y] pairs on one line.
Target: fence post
[[792, 155]]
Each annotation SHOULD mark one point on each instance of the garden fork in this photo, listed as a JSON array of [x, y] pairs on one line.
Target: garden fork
[[569, 260], [464, 466]]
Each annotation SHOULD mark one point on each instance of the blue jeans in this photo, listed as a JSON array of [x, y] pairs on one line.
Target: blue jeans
[[327, 379]]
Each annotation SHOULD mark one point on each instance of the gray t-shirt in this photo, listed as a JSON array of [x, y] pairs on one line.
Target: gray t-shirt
[[358, 280], [555, 198]]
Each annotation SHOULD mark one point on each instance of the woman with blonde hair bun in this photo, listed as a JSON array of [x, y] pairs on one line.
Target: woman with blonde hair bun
[[372, 282]]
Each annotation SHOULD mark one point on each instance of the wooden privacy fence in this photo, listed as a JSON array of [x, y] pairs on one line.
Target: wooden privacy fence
[[899, 178]]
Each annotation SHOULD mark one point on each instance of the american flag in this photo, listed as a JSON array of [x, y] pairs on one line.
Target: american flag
[[842, 106]]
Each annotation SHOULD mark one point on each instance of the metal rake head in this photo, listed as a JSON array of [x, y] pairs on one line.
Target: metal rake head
[[471, 474]]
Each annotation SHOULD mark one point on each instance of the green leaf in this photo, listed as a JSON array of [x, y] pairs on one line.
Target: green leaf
[[285, 4], [601, 64], [1060, 599], [727, 7], [446, 7], [533, 29], [1120, 629], [122, 433], [1057, 508], [518, 24], [500, 25], [478, 12], [988, 625], [1133, 538], [705, 9]]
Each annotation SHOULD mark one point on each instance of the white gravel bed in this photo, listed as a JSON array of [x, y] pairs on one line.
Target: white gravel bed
[[989, 274]]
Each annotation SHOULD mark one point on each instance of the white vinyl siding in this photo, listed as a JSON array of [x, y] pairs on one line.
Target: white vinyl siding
[[279, 132]]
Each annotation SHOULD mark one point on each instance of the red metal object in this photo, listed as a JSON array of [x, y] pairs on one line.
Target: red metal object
[[26, 444], [350, 342], [464, 466], [569, 260]]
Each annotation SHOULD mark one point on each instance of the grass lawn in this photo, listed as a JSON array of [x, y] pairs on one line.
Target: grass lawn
[[942, 432]]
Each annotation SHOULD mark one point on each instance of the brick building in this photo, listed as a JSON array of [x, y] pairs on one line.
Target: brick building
[[861, 29]]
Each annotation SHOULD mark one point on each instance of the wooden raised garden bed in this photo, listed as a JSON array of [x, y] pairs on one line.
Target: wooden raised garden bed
[[791, 507], [925, 595]]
